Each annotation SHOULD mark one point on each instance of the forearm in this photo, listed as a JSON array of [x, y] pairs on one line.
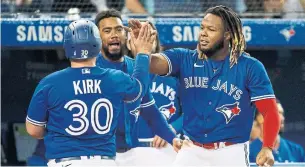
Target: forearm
[[178, 124], [141, 72], [159, 64], [158, 123], [268, 108], [35, 131]]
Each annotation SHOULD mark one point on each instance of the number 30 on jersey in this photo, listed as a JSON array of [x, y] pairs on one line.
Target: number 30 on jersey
[[83, 120]]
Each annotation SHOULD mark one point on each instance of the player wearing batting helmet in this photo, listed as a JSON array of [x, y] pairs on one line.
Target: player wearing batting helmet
[[75, 110], [220, 84]]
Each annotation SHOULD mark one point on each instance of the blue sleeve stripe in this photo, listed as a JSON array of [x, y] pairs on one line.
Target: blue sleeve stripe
[[140, 92], [37, 123], [148, 103], [262, 97], [170, 68]]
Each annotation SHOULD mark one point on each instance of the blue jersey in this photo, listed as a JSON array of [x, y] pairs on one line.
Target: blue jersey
[[166, 94], [80, 107], [127, 132], [287, 151], [216, 97]]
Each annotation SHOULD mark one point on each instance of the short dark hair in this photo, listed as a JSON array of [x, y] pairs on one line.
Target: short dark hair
[[107, 14]]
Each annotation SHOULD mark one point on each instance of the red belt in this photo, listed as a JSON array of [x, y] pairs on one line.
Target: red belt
[[213, 145]]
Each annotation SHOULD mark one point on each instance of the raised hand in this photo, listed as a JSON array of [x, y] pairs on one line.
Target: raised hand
[[135, 26], [144, 42]]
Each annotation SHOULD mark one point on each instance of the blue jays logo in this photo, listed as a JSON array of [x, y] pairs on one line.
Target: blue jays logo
[[229, 111], [288, 33], [136, 113], [168, 110]]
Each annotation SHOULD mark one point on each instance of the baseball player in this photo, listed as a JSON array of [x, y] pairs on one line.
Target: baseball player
[[284, 150], [166, 94], [112, 56], [220, 86], [79, 106]]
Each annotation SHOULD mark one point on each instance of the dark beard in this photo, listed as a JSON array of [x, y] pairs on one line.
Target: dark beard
[[210, 52], [113, 57]]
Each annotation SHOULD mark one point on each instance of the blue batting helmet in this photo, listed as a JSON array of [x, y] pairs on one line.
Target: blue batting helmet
[[82, 40]]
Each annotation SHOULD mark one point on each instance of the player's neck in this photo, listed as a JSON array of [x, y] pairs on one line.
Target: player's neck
[[83, 63], [220, 54]]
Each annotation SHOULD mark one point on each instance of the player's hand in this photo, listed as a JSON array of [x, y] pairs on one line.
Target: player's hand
[[187, 143], [177, 144], [144, 42], [265, 157], [135, 26], [158, 142]]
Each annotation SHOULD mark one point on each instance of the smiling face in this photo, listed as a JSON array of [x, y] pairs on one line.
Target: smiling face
[[113, 37], [212, 34]]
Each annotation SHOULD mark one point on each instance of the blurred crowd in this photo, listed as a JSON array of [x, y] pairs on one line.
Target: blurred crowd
[[246, 8]]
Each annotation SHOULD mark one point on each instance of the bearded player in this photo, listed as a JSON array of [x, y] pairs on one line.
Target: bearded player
[[220, 86], [112, 56]]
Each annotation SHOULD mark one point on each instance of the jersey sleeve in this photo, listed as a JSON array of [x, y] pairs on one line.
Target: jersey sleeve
[[259, 84], [174, 59], [37, 111], [129, 88], [148, 100], [178, 124], [157, 121], [132, 87]]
